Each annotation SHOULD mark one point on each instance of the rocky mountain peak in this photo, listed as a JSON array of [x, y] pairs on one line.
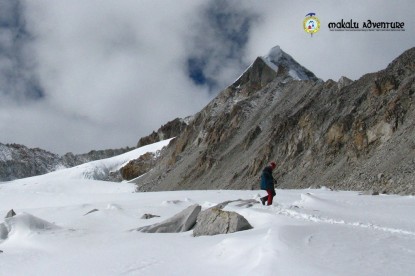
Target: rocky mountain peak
[[403, 65], [276, 65], [283, 63]]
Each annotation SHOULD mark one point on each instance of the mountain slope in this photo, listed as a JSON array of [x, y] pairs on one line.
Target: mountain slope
[[346, 135], [18, 161], [102, 169]]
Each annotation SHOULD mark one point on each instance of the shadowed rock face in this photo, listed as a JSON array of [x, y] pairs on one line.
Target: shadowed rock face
[[167, 131], [339, 134]]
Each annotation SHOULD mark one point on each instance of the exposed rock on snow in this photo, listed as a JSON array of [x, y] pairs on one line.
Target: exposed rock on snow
[[92, 211], [149, 216], [214, 221], [10, 214], [181, 222]]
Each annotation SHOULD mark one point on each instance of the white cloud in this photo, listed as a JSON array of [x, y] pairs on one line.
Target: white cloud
[[333, 54], [117, 66], [113, 71]]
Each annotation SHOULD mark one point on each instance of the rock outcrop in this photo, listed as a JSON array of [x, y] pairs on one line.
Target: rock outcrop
[[18, 161], [10, 214], [215, 221], [181, 222], [342, 135], [138, 166], [167, 131]]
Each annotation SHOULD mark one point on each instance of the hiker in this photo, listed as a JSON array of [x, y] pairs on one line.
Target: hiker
[[267, 183]]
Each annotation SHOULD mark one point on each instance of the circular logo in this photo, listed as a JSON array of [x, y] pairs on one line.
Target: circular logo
[[311, 24]]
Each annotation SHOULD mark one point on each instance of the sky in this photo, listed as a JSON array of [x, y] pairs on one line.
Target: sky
[[82, 75]]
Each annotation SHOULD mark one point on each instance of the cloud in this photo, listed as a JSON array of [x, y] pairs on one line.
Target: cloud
[[82, 75], [17, 80], [110, 72], [216, 47], [333, 54]]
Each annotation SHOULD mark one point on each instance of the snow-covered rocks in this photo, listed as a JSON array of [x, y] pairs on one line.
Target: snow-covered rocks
[[181, 222], [24, 224], [214, 221], [149, 216]]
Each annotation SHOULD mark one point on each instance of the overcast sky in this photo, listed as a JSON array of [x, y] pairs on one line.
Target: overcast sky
[[92, 74]]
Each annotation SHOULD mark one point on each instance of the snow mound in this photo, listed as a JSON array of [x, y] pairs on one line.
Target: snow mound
[[23, 225]]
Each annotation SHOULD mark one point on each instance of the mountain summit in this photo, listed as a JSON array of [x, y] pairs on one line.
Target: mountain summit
[[278, 60], [276, 65]]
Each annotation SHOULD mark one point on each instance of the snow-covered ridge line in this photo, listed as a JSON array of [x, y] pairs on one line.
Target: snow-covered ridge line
[[100, 169]]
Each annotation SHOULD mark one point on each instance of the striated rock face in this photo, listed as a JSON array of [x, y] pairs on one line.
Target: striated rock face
[[352, 135], [167, 131]]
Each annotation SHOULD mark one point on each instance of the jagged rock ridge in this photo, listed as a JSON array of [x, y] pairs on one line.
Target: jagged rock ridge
[[166, 131], [352, 135]]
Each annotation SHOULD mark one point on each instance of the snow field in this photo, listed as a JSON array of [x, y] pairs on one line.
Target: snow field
[[286, 240], [305, 232]]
